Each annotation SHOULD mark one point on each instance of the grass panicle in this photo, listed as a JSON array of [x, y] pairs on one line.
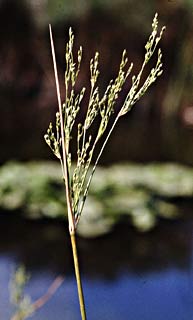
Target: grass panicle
[[103, 107], [23, 305]]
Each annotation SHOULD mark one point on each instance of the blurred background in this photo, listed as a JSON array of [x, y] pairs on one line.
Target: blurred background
[[161, 125], [141, 198]]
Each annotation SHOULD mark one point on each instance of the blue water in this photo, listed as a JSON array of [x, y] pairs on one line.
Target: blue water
[[162, 295]]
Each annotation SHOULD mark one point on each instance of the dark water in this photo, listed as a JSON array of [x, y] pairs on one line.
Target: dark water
[[125, 275]]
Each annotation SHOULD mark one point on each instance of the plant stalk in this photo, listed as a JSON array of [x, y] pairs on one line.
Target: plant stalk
[[64, 164], [78, 277]]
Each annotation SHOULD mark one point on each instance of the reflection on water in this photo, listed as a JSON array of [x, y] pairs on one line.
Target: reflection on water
[[125, 275]]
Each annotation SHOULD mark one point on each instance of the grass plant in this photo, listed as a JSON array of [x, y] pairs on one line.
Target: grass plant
[[77, 179], [23, 305]]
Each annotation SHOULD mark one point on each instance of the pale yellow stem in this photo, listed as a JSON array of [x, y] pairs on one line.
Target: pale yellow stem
[[78, 277]]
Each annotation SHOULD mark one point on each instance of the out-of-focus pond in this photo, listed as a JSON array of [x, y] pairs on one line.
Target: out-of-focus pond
[[126, 275]]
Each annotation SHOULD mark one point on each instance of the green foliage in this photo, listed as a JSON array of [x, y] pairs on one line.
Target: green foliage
[[102, 107], [34, 189], [143, 193]]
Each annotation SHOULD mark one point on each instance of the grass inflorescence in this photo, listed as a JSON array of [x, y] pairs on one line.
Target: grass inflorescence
[[102, 107]]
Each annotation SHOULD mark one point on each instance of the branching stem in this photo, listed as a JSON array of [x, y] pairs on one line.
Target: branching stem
[[95, 164], [64, 164]]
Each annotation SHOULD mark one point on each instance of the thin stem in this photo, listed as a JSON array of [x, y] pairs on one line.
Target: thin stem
[[95, 165], [136, 85], [48, 295], [78, 277], [64, 155], [84, 127], [64, 164]]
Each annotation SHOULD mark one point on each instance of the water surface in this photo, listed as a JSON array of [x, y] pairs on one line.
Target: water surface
[[126, 275]]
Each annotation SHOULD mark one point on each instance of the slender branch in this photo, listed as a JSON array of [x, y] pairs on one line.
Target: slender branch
[[84, 126], [94, 167], [39, 303], [50, 292], [64, 155]]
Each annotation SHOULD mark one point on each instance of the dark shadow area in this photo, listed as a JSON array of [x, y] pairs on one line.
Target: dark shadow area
[[46, 245]]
